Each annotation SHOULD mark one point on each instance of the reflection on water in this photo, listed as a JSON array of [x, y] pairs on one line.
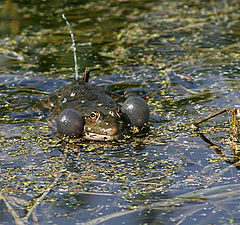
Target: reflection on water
[[9, 18], [184, 55]]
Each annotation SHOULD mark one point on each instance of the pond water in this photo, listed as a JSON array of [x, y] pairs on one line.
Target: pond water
[[184, 54]]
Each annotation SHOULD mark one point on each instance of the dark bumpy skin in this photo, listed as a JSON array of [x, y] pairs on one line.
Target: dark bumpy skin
[[100, 113]]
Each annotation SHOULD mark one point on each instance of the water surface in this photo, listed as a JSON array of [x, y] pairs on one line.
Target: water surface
[[184, 54]]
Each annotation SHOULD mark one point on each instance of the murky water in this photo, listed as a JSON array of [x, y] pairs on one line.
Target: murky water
[[185, 54]]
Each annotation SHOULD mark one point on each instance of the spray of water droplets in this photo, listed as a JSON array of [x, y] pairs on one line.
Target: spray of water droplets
[[74, 47]]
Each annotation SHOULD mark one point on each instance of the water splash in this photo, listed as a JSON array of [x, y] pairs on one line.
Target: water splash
[[74, 47]]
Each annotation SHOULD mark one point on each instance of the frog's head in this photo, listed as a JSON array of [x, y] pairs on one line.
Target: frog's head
[[100, 124], [103, 124]]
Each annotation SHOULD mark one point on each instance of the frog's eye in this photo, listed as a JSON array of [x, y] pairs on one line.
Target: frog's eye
[[94, 116]]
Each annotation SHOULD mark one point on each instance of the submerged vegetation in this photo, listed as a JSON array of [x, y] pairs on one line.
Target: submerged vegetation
[[184, 55]]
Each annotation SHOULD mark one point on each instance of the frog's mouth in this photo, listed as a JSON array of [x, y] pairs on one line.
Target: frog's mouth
[[112, 132], [100, 137]]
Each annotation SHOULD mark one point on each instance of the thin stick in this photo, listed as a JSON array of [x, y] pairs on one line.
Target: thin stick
[[86, 75], [234, 131], [74, 47], [204, 138], [17, 219], [40, 199], [218, 150], [112, 216], [45, 193], [210, 116]]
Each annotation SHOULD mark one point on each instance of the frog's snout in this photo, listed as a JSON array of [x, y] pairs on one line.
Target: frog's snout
[[114, 129]]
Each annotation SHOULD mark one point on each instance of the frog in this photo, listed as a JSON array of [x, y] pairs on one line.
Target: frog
[[84, 110]]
